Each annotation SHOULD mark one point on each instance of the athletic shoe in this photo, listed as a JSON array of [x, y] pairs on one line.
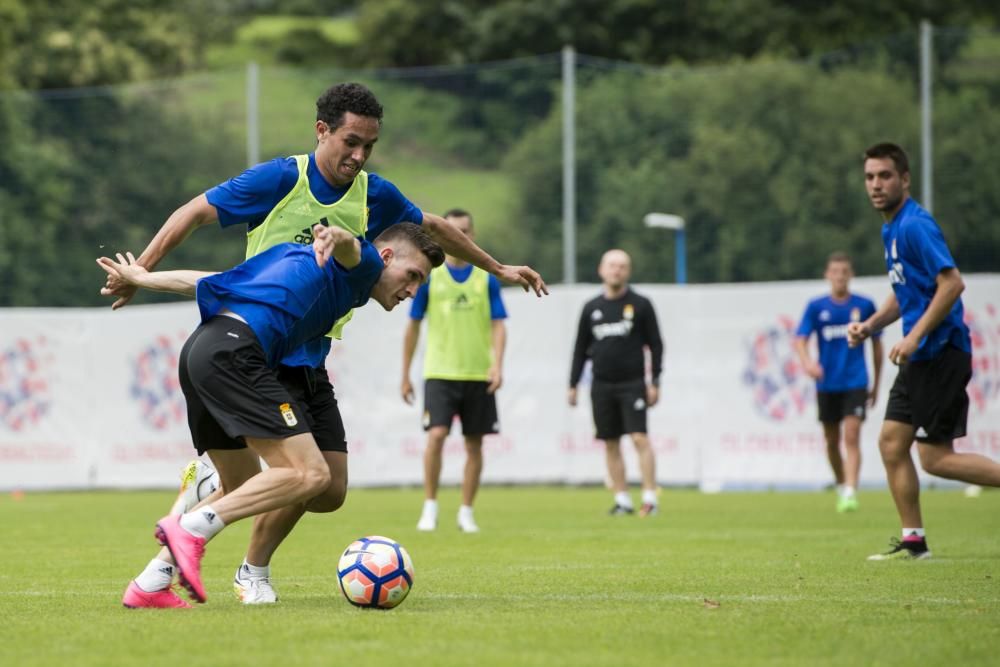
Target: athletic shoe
[[904, 550], [467, 524], [649, 509], [198, 481], [136, 598], [847, 504], [187, 550], [619, 510], [427, 523], [253, 591]]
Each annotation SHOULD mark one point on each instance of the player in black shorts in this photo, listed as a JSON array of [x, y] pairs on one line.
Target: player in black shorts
[[466, 337], [928, 401], [615, 330], [841, 375]]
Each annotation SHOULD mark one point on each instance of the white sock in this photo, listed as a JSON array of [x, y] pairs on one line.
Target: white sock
[[623, 499], [430, 507], [465, 510], [157, 576], [913, 532], [847, 491], [203, 522], [255, 571], [649, 496]]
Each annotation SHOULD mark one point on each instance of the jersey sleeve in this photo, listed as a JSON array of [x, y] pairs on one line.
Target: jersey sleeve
[[925, 240], [250, 197], [497, 309], [807, 324], [388, 206], [581, 347], [419, 306], [652, 339]]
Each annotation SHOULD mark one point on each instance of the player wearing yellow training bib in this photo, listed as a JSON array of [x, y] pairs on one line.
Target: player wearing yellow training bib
[[462, 369]]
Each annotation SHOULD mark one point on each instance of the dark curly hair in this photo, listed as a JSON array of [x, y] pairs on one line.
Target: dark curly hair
[[344, 97]]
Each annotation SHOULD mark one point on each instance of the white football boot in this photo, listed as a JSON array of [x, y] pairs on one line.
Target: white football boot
[[253, 590], [198, 481]]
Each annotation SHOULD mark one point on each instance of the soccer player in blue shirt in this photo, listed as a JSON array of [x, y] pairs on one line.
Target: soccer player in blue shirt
[[928, 402], [252, 317], [278, 201], [463, 369], [842, 391]]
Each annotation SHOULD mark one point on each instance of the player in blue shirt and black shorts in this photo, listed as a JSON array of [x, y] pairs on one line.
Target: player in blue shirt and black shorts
[[841, 374], [253, 316], [928, 401], [279, 201]]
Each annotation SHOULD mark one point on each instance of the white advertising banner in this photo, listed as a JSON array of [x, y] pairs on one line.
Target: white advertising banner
[[89, 398]]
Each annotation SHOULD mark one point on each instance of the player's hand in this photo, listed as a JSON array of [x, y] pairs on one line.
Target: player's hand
[[525, 276], [652, 395], [494, 380], [903, 350], [406, 391], [125, 272], [872, 396], [323, 243], [857, 332], [571, 397], [813, 369], [115, 286]]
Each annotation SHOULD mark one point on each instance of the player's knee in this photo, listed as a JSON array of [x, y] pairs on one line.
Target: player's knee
[[314, 481], [932, 462], [331, 500]]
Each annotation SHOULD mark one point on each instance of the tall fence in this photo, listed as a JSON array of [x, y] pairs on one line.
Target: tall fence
[[761, 158], [90, 398]]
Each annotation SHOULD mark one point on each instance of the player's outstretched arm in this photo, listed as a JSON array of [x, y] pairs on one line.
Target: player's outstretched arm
[[192, 215], [128, 271], [459, 245]]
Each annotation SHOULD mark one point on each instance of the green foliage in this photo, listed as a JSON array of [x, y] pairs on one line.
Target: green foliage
[[727, 579], [761, 159], [429, 32]]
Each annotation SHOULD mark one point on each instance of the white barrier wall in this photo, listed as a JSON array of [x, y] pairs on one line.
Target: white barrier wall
[[90, 398]]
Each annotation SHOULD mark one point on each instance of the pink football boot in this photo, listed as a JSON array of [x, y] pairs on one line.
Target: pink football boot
[[187, 550], [136, 598]]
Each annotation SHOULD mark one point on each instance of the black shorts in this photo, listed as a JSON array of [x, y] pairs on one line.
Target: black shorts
[[477, 409], [930, 396], [619, 408], [835, 405], [231, 393]]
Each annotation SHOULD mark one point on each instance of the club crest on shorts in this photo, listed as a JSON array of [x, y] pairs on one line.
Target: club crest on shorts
[[287, 414], [640, 404]]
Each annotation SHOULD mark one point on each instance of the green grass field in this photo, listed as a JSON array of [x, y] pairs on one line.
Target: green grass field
[[551, 580]]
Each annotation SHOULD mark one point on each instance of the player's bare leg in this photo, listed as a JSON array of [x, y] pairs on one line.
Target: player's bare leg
[[647, 471], [151, 588], [470, 482], [943, 461], [296, 473], [831, 434], [436, 436], [252, 581], [616, 473], [847, 501], [894, 444]]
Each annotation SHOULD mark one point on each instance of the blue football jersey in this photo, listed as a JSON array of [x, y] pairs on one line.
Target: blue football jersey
[[843, 366], [915, 253], [286, 298]]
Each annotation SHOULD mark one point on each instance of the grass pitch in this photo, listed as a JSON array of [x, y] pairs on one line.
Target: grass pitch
[[730, 579]]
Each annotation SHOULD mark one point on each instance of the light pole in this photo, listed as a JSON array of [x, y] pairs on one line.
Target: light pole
[[676, 223]]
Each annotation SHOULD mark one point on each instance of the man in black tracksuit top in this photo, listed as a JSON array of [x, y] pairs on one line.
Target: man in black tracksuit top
[[614, 330]]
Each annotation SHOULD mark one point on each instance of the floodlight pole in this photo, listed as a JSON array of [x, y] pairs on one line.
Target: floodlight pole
[[676, 223], [569, 164], [253, 114]]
